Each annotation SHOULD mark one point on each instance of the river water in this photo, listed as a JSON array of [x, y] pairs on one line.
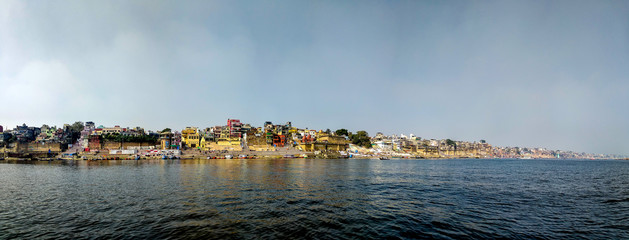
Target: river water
[[314, 198]]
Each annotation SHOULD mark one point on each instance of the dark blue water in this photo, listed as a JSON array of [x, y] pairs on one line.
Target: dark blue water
[[321, 199]]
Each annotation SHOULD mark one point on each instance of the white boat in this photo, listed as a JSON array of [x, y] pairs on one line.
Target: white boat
[[228, 156]]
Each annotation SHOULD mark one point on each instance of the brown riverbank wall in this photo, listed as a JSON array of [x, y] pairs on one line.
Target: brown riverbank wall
[[122, 145]]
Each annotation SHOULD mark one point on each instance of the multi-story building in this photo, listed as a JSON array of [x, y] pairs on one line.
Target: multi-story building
[[216, 132], [275, 133], [27, 134], [326, 142], [138, 131], [115, 130], [177, 139], [208, 135], [190, 137], [166, 140], [234, 127]]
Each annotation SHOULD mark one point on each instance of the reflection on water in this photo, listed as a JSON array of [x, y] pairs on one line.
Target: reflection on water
[[312, 198]]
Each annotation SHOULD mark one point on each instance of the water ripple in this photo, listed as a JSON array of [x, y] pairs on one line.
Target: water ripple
[[318, 199]]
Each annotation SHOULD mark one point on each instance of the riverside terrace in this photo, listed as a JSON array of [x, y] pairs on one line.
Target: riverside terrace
[[86, 140]]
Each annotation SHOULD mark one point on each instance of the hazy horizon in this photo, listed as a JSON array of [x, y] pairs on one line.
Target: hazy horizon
[[547, 74]]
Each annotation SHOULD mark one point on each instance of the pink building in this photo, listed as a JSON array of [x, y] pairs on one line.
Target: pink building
[[234, 126]]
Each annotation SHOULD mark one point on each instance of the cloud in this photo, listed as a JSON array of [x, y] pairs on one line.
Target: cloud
[[41, 90], [513, 73]]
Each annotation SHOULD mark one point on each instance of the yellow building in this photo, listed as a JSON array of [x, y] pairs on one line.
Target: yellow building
[[326, 142], [202, 143], [190, 137], [166, 140]]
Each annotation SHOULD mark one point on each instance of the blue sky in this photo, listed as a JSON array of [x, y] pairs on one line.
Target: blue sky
[[515, 73]]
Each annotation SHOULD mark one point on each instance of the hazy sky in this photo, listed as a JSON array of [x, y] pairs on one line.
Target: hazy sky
[[516, 73]]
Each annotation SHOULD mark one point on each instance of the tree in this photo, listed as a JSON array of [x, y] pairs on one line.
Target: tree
[[483, 141], [166, 130], [75, 131], [361, 138], [77, 127], [342, 132], [451, 143]]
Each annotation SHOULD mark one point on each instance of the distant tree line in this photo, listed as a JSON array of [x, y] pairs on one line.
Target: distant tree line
[[361, 138]]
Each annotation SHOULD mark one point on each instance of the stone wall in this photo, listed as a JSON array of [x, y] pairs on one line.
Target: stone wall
[[35, 147], [125, 145], [261, 148], [39, 147]]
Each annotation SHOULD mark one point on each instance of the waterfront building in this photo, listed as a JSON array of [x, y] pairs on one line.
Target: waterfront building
[[279, 140], [133, 131], [41, 137], [245, 128], [176, 139], [234, 127], [116, 129], [384, 145], [49, 131], [27, 134], [208, 135], [325, 142], [229, 143], [190, 137], [1, 129], [216, 132], [166, 140], [379, 136]]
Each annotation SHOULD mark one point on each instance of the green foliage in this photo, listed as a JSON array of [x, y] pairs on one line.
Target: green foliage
[[77, 127], [166, 130], [451, 143], [483, 141], [328, 131], [75, 131], [361, 138], [342, 132]]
